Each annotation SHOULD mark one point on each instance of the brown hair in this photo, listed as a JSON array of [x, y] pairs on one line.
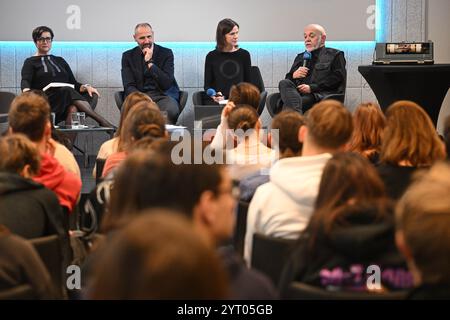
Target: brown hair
[[288, 124], [159, 256], [243, 117], [223, 27], [144, 120], [329, 124], [410, 136], [348, 180], [29, 114], [150, 179], [423, 215], [245, 93], [368, 125], [16, 152], [130, 101]]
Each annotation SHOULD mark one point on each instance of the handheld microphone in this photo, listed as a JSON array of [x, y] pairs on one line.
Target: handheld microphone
[[306, 57], [212, 93]]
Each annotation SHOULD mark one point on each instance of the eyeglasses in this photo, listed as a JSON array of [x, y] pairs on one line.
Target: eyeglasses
[[235, 192], [42, 39]]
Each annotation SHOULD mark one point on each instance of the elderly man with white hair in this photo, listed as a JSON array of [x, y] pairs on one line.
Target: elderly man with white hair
[[315, 73]]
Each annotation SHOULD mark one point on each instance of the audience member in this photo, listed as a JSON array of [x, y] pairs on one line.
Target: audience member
[[27, 208], [30, 115], [284, 136], [150, 180], [20, 265], [352, 228], [144, 120], [250, 154], [111, 146], [242, 93], [368, 125], [158, 256], [423, 232], [283, 206], [410, 143]]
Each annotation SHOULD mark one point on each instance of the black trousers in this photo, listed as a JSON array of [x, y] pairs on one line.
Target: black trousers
[[293, 99], [166, 103]]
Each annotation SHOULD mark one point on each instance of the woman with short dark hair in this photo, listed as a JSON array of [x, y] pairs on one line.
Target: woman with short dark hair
[[43, 68]]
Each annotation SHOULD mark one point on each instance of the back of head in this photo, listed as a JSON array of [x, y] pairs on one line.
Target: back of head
[[349, 182], [423, 217], [348, 176], [243, 117], [369, 122], [148, 179], [16, 152], [245, 93], [329, 124], [159, 256], [287, 124], [29, 114], [144, 120], [131, 100], [410, 136]]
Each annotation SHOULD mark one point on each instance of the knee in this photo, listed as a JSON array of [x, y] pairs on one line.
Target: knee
[[285, 83]]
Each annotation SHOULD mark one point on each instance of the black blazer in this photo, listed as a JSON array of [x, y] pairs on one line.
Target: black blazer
[[162, 71]]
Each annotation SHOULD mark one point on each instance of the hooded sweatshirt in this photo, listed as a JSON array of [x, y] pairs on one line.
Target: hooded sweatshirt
[[65, 184], [282, 207], [340, 258], [30, 210]]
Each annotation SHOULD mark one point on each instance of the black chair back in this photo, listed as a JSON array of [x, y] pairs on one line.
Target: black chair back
[[302, 291], [22, 292], [118, 97], [99, 165], [5, 102], [269, 255], [241, 227], [257, 80], [49, 249]]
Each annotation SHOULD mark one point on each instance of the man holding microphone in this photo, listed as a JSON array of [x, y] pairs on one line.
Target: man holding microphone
[[315, 73]]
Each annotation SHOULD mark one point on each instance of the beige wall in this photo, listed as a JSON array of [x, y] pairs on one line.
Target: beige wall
[[438, 27]]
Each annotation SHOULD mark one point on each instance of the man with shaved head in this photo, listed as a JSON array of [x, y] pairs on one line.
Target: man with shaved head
[[315, 73]]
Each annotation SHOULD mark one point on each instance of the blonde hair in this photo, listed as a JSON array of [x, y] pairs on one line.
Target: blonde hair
[[423, 216], [329, 124]]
